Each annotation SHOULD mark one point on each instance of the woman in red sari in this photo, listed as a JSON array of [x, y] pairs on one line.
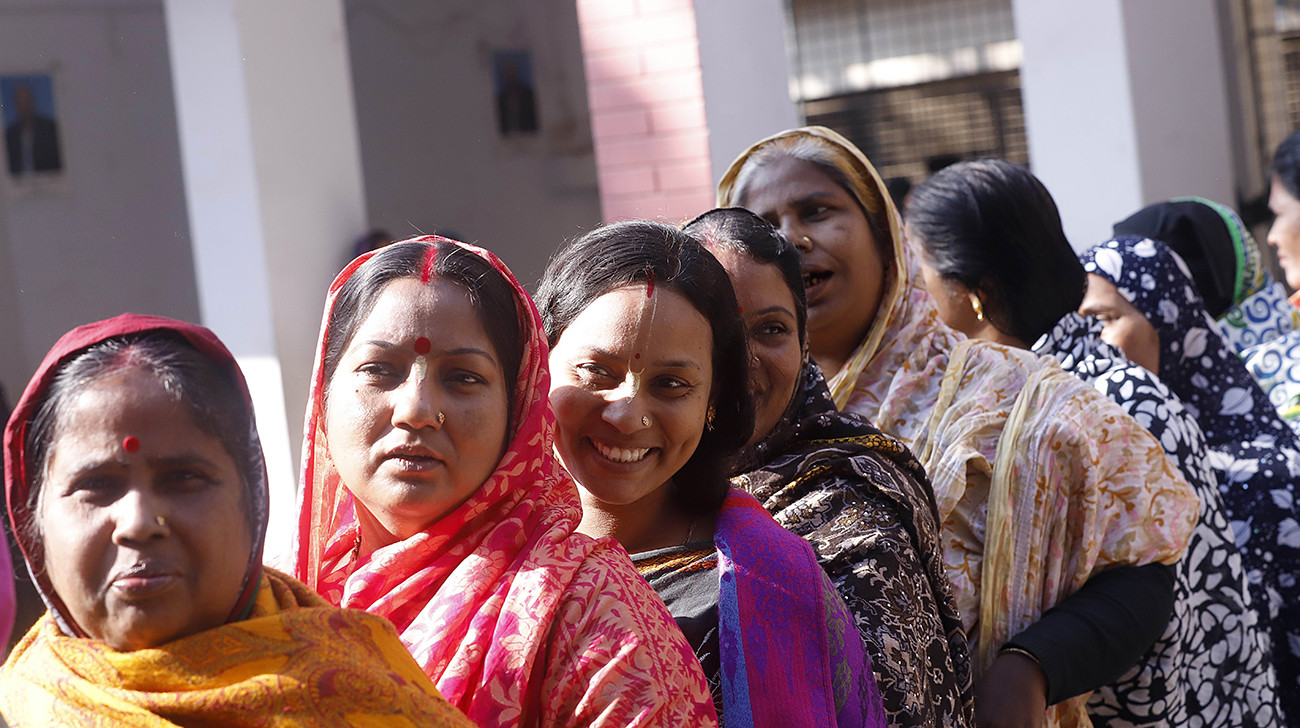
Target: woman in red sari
[[431, 496]]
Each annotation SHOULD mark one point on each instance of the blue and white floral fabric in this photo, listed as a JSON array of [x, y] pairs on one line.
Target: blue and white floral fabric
[[1275, 365], [1256, 455], [1212, 666]]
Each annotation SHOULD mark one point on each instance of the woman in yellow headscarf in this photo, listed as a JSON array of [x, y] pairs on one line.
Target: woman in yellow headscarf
[[136, 490], [1043, 485]]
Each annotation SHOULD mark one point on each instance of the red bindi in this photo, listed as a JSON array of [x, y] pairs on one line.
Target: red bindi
[[636, 356], [130, 444], [422, 345]]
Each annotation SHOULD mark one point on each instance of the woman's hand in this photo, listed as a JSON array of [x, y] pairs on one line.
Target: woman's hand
[[1013, 694]]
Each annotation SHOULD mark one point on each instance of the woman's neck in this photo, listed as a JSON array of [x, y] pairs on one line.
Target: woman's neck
[[648, 524]]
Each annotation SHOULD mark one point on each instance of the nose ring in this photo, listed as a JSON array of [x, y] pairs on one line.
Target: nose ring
[[645, 420], [441, 417], [160, 521]]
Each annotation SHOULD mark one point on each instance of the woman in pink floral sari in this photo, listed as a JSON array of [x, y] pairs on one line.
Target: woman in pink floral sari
[[431, 496]]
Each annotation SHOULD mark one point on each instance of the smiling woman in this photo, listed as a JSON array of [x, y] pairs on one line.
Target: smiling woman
[[432, 497], [136, 489], [649, 383]]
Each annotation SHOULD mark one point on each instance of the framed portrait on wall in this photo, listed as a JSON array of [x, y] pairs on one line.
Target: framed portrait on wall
[[515, 88], [33, 147]]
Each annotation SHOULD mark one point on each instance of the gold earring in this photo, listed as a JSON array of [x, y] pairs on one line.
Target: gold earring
[[979, 308], [709, 417]]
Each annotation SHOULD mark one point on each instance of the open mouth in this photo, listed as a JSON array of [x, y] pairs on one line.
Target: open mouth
[[621, 454], [812, 279]]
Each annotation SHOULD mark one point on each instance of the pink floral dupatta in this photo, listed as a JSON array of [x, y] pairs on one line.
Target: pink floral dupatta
[[517, 619]]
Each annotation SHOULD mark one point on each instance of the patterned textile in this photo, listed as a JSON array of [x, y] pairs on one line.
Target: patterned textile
[[518, 619], [1225, 264], [1264, 317], [1015, 448], [864, 503], [791, 652], [760, 575], [1260, 312], [1213, 664], [295, 659], [1255, 453], [1275, 365], [284, 653]]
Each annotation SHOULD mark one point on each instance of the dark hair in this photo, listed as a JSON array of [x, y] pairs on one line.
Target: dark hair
[[491, 295], [626, 253], [210, 392], [993, 227], [1202, 236], [1286, 163], [738, 229]]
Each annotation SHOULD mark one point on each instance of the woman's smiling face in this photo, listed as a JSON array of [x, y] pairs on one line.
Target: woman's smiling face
[[772, 330], [416, 413], [631, 379]]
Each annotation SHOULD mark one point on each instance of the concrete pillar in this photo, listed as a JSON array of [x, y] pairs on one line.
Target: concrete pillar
[[1125, 104], [746, 73], [677, 89], [274, 193]]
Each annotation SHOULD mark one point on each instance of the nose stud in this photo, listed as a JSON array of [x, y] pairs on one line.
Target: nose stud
[[645, 420], [161, 521], [806, 239], [441, 417]]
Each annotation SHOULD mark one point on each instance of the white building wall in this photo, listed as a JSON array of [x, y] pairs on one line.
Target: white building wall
[[433, 159], [744, 70], [112, 234], [1125, 105]]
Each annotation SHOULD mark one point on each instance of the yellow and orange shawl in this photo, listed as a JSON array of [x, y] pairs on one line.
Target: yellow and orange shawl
[[295, 661], [1041, 481]]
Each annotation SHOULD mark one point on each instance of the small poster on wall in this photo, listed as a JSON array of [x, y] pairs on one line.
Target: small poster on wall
[[32, 146], [512, 79]]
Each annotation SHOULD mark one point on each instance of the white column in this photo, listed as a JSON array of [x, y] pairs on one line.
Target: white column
[[274, 193], [745, 72], [1125, 105]]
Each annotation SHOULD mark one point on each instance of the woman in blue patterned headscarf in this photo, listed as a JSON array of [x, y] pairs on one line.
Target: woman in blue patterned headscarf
[[988, 231], [1150, 308]]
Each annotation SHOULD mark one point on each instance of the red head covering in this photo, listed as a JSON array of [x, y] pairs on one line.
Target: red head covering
[[18, 481], [518, 620]]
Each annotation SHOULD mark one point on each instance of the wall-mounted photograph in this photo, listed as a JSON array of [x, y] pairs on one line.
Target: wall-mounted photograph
[[512, 79], [32, 147]]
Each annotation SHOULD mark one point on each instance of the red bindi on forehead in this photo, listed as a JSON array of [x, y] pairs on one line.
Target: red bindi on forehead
[[131, 444], [422, 345]]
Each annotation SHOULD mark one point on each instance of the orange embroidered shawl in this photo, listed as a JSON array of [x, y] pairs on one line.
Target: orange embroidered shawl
[[296, 661]]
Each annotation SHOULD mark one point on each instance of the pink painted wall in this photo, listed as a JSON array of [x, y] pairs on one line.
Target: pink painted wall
[[647, 108]]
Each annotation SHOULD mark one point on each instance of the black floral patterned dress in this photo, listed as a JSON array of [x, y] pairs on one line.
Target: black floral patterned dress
[[1254, 453], [1212, 666], [863, 502]]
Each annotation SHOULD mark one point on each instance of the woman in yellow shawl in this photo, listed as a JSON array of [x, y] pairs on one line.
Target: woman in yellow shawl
[[1042, 483], [136, 490]]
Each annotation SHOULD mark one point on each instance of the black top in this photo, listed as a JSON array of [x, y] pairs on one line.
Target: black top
[[1098, 633], [686, 578]]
